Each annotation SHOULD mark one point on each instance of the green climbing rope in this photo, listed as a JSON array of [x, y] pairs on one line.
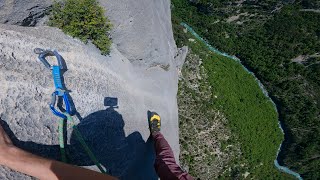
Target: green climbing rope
[[61, 141], [82, 142]]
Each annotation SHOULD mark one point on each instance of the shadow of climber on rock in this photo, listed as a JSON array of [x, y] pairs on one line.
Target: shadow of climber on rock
[[124, 157], [104, 134]]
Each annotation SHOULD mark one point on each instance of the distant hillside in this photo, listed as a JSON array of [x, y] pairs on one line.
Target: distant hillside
[[279, 41]]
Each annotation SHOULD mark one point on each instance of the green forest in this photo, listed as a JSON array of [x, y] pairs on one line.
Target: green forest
[[251, 117], [280, 43]]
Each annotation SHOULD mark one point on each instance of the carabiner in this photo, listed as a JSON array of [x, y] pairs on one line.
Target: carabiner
[[54, 95], [57, 79], [44, 53]]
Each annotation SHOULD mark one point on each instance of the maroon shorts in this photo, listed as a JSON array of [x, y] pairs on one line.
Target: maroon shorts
[[165, 164]]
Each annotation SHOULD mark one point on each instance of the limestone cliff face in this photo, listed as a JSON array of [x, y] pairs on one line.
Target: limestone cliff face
[[142, 30], [141, 72], [23, 13]]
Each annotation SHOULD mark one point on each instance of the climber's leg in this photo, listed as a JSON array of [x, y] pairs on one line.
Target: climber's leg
[[165, 164]]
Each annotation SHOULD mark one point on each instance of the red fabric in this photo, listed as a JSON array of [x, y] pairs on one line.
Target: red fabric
[[165, 164]]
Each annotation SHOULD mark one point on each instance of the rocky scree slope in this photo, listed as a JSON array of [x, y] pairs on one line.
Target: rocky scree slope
[[141, 72]]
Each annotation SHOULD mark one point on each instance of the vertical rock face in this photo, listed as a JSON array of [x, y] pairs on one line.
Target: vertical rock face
[[140, 74], [142, 30], [23, 13]]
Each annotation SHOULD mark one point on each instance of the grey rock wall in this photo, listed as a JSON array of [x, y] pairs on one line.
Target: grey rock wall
[[142, 30], [22, 12], [141, 73]]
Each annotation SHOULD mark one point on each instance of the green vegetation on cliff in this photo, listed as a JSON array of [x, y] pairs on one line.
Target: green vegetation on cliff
[[280, 43], [83, 19], [250, 116]]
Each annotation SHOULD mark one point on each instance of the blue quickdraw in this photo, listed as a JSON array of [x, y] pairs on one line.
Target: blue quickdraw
[[60, 90]]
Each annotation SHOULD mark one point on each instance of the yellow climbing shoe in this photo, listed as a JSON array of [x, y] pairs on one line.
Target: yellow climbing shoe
[[154, 122]]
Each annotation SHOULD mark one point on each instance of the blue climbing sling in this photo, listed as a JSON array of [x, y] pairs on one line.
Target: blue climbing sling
[[61, 91]]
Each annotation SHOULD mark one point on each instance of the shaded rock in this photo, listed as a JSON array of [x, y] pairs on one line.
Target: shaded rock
[[23, 13]]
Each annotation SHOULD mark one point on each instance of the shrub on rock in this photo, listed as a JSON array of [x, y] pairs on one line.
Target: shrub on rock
[[83, 19]]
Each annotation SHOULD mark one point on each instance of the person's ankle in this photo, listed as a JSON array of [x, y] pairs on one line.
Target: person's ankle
[[153, 134]]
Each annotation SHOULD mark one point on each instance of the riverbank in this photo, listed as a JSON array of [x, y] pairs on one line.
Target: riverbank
[[252, 116], [276, 163], [267, 43]]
